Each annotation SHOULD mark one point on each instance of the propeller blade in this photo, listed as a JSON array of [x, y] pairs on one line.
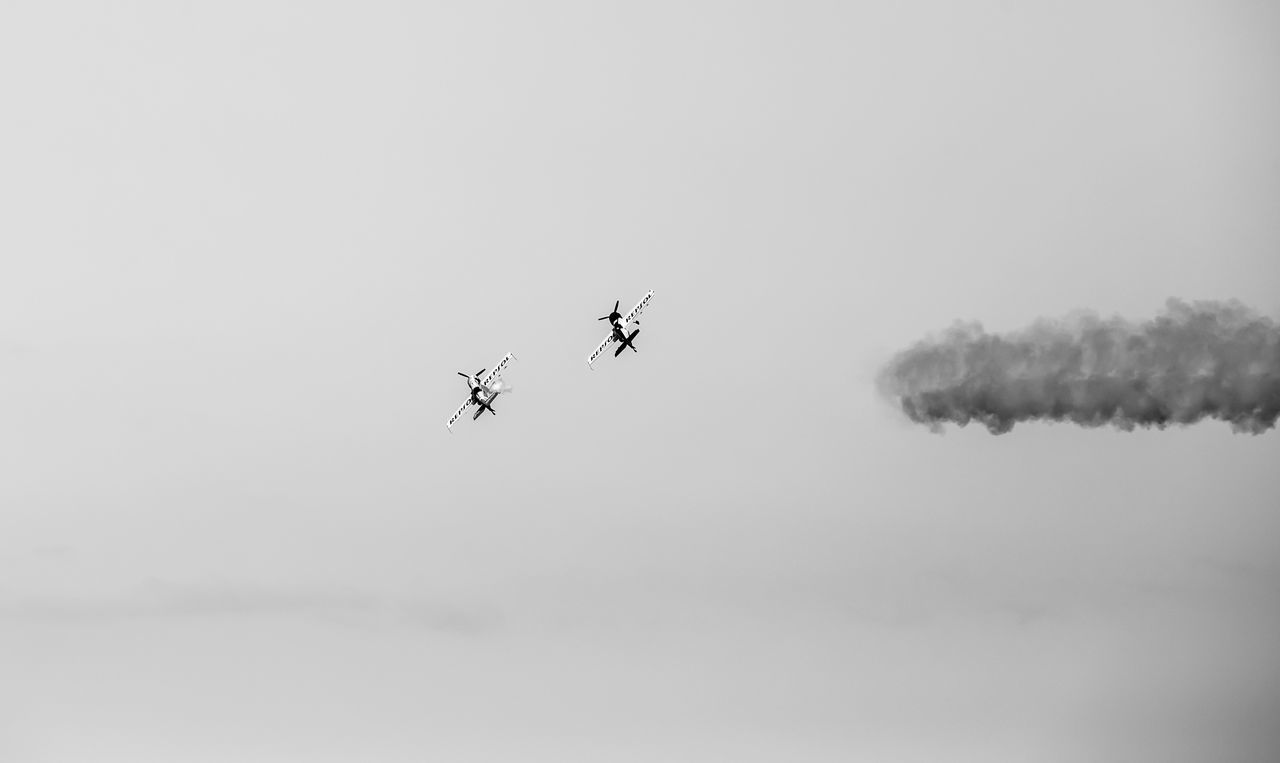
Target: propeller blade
[[616, 302], [603, 318]]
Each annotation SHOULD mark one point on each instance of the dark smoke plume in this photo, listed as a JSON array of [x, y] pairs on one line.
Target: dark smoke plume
[[1204, 359]]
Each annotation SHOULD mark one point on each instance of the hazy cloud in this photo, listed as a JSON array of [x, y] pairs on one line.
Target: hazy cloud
[[166, 600]]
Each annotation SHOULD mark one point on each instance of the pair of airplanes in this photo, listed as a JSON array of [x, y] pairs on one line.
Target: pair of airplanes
[[483, 391]]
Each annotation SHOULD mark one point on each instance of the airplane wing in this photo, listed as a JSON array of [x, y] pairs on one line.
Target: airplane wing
[[490, 377], [600, 350], [458, 413], [639, 308]]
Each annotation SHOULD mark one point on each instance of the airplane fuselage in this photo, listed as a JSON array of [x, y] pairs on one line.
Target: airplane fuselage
[[480, 394], [478, 390]]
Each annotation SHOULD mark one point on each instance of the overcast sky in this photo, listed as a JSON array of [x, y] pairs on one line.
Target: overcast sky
[[245, 246]]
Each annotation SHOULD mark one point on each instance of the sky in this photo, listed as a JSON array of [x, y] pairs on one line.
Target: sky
[[246, 247]]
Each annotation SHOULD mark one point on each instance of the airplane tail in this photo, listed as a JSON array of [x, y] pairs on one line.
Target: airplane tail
[[626, 342], [486, 405]]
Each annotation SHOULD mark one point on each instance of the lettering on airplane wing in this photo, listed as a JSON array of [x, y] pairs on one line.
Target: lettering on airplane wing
[[458, 413], [497, 370], [600, 349], [635, 311]]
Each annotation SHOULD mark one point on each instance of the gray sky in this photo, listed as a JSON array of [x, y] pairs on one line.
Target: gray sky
[[246, 246]]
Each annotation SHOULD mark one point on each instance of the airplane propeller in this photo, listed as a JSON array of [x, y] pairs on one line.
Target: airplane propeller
[[613, 316]]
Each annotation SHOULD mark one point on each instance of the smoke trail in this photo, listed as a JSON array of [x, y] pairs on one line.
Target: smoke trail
[[1204, 359]]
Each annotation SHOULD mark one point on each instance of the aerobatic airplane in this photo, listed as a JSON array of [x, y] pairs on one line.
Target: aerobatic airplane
[[618, 324], [483, 391]]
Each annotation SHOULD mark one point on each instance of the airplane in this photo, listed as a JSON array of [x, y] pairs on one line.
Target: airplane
[[618, 329], [483, 391]]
